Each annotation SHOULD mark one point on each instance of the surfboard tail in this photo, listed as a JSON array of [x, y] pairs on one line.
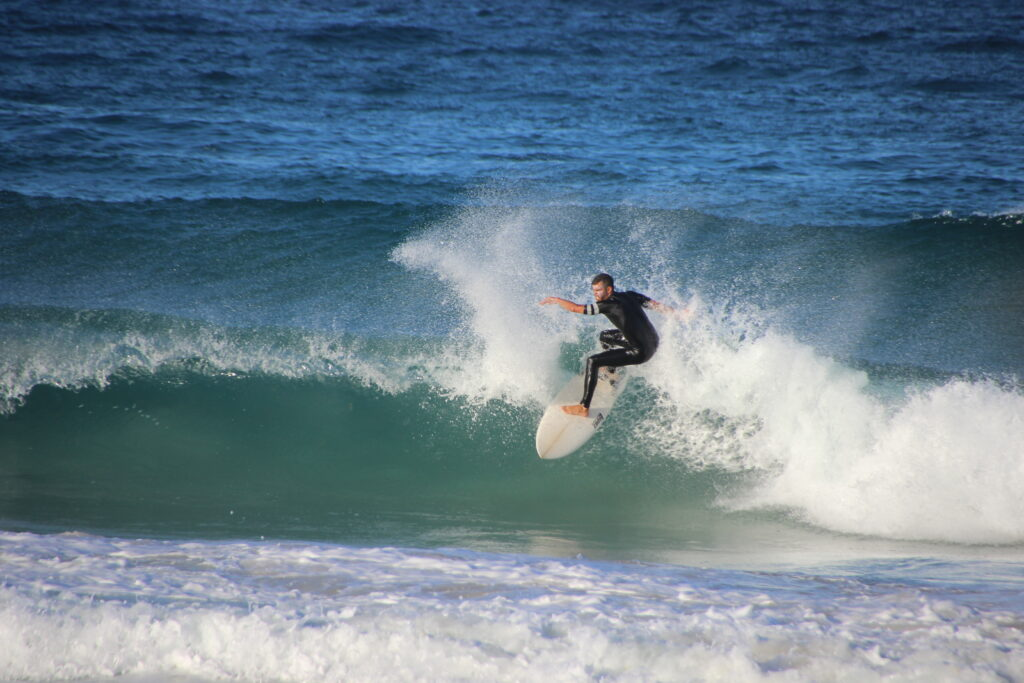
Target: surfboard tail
[[559, 433]]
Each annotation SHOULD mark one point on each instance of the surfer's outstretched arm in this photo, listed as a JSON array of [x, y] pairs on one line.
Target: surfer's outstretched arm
[[564, 303], [683, 314]]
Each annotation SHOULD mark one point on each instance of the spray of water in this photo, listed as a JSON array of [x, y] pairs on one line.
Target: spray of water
[[731, 390]]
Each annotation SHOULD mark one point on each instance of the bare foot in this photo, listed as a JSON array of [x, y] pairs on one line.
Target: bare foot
[[579, 410]]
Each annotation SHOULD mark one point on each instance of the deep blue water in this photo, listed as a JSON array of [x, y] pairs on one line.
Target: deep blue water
[[271, 360], [774, 111]]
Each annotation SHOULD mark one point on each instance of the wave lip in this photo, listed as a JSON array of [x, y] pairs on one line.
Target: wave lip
[[74, 349]]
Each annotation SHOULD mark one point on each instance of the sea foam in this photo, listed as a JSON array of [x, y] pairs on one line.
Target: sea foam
[[76, 606], [733, 390], [935, 461]]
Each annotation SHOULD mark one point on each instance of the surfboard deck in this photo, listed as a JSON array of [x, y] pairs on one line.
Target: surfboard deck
[[558, 433]]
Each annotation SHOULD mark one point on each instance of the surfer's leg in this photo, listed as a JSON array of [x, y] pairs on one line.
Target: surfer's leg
[[613, 358], [610, 338]]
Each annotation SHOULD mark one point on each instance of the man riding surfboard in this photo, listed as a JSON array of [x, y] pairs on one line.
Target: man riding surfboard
[[634, 340]]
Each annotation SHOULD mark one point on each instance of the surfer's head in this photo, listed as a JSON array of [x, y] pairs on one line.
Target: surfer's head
[[603, 286]]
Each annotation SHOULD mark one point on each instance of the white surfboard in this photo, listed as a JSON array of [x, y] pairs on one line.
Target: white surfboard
[[559, 433]]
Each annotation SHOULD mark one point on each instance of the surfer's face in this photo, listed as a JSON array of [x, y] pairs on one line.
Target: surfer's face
[[602, 291]]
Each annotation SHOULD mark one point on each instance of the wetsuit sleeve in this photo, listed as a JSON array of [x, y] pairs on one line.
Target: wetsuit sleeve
[[642, 299], [602, 307]]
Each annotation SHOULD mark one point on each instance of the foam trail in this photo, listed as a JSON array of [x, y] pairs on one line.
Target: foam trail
[[941, 463], [947, 465]]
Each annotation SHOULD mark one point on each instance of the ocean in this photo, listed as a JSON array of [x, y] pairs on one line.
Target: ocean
[[272, 359]]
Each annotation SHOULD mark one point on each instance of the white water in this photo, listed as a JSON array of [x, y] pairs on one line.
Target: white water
[[939, 462], [82, 607]]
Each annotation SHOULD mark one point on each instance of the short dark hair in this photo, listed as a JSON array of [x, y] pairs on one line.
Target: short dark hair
[[603, 279]]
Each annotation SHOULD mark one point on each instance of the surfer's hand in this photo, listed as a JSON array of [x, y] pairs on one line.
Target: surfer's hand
[[686, 314], [564, 303]]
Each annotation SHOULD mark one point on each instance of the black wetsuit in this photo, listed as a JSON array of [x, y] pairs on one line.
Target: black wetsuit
[[635, 336]]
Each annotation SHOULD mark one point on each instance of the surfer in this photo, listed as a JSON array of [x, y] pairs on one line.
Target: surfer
[[634, 340]]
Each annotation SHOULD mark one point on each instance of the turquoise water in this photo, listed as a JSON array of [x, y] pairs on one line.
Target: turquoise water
[[271, 358]]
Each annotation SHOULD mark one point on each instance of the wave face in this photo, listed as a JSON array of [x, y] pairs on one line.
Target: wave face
[[829, 376], [766, 425]]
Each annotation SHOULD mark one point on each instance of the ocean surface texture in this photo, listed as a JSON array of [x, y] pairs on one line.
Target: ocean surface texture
[[271, 358]]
